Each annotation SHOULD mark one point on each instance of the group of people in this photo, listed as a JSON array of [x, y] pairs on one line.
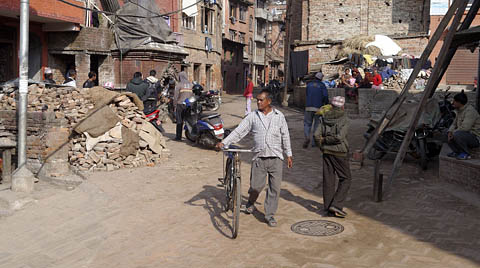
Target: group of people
[[71, 79], [352, 79]]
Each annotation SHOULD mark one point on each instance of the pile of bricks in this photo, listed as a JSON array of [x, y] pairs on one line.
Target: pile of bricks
[[86, 153]]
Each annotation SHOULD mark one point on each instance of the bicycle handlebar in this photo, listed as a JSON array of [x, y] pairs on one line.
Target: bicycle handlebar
[[237, 150]]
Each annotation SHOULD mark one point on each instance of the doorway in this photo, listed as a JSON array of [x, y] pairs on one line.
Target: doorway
[[196, 73]]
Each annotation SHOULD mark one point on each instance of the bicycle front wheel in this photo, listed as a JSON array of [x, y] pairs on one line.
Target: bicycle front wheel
[[237, 199]]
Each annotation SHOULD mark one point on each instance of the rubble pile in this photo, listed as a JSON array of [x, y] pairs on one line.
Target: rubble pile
[[125, 139]]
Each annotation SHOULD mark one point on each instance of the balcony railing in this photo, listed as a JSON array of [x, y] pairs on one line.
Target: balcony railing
[[261, 13]]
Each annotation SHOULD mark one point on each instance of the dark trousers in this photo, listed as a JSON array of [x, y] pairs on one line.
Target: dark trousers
[[341, 167], [179, 116], [463, 141], [264, 169]]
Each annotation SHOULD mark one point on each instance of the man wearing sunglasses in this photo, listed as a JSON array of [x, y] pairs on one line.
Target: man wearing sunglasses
[[270, 134]]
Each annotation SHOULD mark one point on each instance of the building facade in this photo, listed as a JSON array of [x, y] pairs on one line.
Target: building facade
[[237, 44], [325, 24], [201, 28]]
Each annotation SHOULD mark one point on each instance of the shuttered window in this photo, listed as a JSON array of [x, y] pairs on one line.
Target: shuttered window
[[464, 67]]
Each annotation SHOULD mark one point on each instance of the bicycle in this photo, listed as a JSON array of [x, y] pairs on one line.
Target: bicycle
[[233, 184]]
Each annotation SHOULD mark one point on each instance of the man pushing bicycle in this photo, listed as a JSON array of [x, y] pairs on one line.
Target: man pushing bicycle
[[270, 132]]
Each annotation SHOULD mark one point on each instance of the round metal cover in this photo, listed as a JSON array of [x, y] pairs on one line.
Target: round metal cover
[[317, 228]]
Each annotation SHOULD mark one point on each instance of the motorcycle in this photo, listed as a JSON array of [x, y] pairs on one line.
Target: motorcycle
[[274, 87], [210, 100], [204, 129], [423, 145], [155, 113], [167, 98]]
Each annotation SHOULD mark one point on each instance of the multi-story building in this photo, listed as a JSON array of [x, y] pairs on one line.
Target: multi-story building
[[237, 44], [262, 17], [275, 40], [201, 27]]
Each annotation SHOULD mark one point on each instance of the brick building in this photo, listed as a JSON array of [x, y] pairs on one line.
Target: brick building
[[47, 18], [237, 44], [464, 66], [325, 24], [201, 29]]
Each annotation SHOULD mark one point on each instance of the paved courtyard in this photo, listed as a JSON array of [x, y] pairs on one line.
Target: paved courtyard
[[171, 216]]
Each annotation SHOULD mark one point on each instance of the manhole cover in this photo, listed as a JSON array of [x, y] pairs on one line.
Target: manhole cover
[[317, 228]]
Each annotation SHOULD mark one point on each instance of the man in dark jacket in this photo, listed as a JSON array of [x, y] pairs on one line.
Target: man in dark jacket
[[317, 96], [92, 76], [137, 85], [331, 137]]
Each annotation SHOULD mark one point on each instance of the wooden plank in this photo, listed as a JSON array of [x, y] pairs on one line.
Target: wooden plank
[[388, 116], [439, 66]]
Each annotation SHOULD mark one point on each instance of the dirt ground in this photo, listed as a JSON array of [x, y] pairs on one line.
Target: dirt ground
[[172, 215]]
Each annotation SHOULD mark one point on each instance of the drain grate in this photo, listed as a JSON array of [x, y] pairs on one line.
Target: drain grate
[[317, 228]]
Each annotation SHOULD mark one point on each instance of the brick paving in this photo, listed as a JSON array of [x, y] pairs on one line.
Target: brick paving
[[171, 216]]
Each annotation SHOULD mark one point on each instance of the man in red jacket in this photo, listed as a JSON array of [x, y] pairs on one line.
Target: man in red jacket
[[377, 80], [248, 94]]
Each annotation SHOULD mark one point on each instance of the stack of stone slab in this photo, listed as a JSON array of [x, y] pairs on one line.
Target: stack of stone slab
[[102, 153]]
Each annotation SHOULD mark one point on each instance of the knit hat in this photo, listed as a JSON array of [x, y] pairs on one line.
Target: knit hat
[[319, 75], [48, 70], [338, 101]]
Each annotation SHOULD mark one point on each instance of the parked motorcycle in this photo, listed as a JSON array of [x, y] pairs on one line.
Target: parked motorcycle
[[274, 87], [166, 97], [155, 112], [423, 145], [210, 100], [204, 129]]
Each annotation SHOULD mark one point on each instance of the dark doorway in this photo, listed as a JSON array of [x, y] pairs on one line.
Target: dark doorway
[[208, 78], [34, 57], [8, 62], [196, 73], [95, 61]]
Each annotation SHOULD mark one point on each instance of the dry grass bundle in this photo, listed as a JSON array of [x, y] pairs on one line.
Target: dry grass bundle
[[357, 44]]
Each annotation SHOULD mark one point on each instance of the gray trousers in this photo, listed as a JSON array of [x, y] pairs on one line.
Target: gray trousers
[[335, 165], [463, 141], [264, 169]]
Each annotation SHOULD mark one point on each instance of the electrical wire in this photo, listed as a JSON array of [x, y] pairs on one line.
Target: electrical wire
[[134, 16]]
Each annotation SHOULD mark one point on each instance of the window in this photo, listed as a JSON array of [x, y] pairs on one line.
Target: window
[[242, 38], [232, 34], [208, 20], [196, 72], [250, 23], [188, 22], [280, 42], [233, 11], [243, 13], [260, 29]]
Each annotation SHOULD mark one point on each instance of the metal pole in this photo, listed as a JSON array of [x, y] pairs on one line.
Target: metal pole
[[22, 179], [23, 88]]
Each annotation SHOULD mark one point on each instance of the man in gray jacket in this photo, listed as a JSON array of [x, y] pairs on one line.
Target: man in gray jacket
[[183, 91], [270, 132]]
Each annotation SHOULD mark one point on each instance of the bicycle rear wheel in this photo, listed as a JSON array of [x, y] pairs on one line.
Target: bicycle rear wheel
[[237, 199]]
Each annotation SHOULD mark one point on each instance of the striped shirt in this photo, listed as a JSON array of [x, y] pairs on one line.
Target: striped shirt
[[270, 132]]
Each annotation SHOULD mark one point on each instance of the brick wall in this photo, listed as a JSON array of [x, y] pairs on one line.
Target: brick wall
[[45, 136], [322, 19], [91, 39], [51, 9]]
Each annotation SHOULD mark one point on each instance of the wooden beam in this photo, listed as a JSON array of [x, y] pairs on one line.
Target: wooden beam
[[389, 114], [462, 4]]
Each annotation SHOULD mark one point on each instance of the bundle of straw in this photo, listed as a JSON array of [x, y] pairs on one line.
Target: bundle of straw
[[357, 44]]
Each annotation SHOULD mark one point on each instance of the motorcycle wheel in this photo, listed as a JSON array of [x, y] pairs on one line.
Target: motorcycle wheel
[[423, 154], [216, 105], [189, 136]]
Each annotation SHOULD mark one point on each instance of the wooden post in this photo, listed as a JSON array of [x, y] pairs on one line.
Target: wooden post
[[461, 4], [377, 182], [389, 115], [7, 165]]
